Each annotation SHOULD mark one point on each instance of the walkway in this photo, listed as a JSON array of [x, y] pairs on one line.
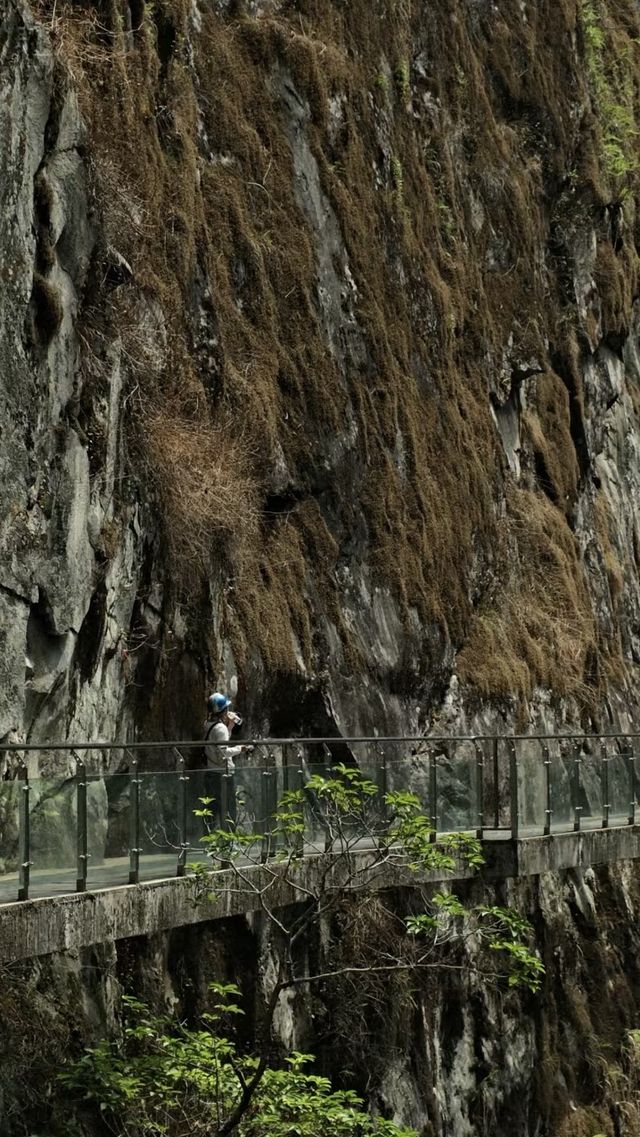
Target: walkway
[[67, 825]]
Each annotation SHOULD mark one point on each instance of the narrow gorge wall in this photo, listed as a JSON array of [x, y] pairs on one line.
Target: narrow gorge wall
[[449, 1052], [318, 364], [320, 378]]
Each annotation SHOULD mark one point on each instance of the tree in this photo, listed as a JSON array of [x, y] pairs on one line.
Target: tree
[[364, 843], [164, 1080]]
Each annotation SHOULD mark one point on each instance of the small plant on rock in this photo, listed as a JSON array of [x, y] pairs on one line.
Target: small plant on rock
[[402, 79]]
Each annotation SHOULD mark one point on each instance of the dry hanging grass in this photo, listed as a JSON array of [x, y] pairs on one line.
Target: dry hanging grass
[[81, 39], [542, 628], [209, 497], [441, 291]]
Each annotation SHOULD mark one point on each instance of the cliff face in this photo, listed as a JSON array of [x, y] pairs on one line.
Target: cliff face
[[318, 364], [320, 372], [449, 1053]]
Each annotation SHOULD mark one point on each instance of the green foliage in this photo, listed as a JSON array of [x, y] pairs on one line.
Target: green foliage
[[505, 931], [165, 1080], [401, 78], [447, 223], [499, 929], [526, 968], [403, 836], [611, 80], [412, 832]]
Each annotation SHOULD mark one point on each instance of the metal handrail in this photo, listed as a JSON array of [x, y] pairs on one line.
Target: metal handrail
[[190, 744]]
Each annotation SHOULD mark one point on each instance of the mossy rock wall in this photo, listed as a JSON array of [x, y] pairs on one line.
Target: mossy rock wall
[[320, 364]]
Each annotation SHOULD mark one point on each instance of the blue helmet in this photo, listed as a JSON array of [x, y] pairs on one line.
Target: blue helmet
[[217, 703]]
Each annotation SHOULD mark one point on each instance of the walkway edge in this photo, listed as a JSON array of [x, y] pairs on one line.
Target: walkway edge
[[67, 923]]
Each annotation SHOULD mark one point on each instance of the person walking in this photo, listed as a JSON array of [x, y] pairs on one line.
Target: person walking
[[221, 721]]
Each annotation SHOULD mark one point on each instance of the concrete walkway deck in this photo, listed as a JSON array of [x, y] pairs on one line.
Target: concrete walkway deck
[[64, 921], [113, 872]]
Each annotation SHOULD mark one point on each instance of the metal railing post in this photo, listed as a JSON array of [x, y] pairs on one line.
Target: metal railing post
[[81, 827], [479, 752], [304, 803], [24, 840], [513, 789], [183, 782], [383, 786], [287, 781], [134, 824], [286, 769], [496, 783], [576, 787], [548, 812], [275, 804], [433, 794], [324, 809], [606, 805], [267, 808], [631, 759], [262, 821], [292, 783], [224, 799]]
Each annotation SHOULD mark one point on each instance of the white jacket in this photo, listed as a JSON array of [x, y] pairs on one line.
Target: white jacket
[[219, 757]]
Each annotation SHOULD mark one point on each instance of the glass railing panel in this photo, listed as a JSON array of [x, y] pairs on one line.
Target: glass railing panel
[[10, 794], [590, 791], [258, 790], [620, 781], [53, 848], [159, 825], [413, 773], [457, 788], [491, 783], [293, 777], [299, 776], [97, 820], [375, 763], [201, 792], [561, 783], [319, 818], [108, 830], [375, 776], [531, 788], [324, 823], [381, 766], [248, 798], [243, 802], [501, 761]]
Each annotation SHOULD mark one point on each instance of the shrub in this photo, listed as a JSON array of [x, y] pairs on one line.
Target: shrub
[[401, 77], [168, 1080]]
